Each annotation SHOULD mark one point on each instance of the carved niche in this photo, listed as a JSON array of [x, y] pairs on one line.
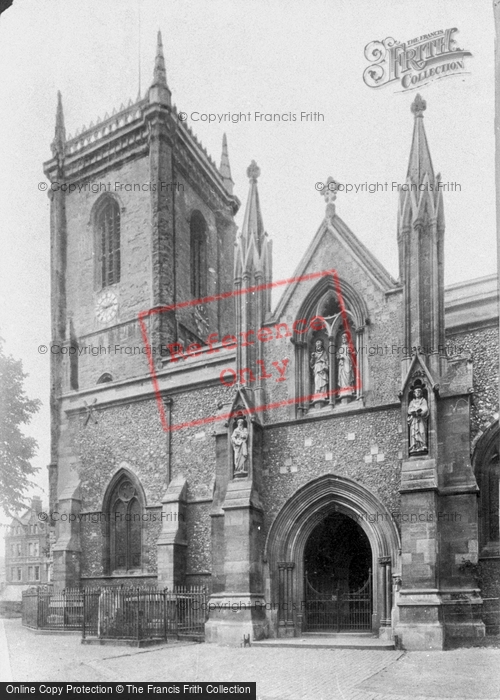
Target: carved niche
[[418, 417], [239, 437]]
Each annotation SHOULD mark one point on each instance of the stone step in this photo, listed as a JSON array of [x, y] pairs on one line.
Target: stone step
[[330, 641]]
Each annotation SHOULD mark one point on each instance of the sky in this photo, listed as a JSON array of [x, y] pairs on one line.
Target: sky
[[269, 56]]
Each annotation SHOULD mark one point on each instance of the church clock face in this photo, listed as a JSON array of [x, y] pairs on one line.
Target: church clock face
[[106, 307]]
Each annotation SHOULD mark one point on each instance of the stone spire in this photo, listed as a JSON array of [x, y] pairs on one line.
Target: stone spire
[[421, 248], [252, 270], [420, 163], [58, 144], [253, 227], [225, 168], [421, 194], [159, 91], [253, 247], [160, 74]]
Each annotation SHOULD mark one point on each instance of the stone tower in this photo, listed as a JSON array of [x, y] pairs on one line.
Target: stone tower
[[141, 220]]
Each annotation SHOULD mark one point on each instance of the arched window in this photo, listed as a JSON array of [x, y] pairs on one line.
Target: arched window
[[108, 242], [125, 510], [487, 469], [198, 244]]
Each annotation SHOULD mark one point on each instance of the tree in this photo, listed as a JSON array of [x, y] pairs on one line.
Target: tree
[[16, 449]]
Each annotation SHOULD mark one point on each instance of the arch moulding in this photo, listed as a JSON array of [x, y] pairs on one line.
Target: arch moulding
[[307, 507]]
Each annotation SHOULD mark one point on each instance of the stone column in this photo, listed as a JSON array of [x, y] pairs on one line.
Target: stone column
[[420, 625], [216, 512], [239, 611]]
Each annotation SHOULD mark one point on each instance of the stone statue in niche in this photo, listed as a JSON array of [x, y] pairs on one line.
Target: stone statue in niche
[[239, 440], [418, 415], [345, 370], [319, 366]]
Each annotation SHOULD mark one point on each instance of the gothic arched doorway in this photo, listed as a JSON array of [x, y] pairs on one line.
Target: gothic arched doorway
[[337, 577], [306, 523]]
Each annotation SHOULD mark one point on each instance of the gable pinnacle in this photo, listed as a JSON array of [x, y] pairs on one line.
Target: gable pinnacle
[[253, 252], [159, 92], [420, 163], [253, 228], [57, 145], [225, 168], [59, 113]]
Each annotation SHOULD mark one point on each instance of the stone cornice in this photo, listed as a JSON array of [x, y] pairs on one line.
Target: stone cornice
[[173, 379], [312, 418]]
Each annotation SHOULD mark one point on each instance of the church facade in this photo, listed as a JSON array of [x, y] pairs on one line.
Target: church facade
[[328, 465]]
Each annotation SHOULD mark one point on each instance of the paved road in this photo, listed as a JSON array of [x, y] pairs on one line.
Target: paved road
[[280, 673]]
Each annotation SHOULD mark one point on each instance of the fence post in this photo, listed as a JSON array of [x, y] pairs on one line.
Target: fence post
[[38, 625], [83, 613], [138, 605], [165, 613]]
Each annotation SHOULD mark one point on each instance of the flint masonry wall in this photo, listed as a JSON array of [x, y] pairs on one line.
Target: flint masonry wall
[[194, 456], [364, 446], [132, 434], [482, 345]]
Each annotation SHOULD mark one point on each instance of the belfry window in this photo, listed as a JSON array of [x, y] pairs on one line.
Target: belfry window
[[125, 518], [108, 242], [198, 244]]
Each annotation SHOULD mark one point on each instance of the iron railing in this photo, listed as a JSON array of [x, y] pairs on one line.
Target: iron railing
[[44, 609], [122, 612], [144, 613]]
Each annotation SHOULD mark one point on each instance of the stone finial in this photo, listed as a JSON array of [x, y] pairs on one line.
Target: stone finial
[[329, 192], [418, 106], [253, 171]]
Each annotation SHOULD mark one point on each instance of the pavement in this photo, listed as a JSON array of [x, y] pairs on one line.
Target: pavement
[[281, 673]]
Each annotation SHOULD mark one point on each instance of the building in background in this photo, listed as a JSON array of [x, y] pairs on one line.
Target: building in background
[[328, 465], [27, 555]]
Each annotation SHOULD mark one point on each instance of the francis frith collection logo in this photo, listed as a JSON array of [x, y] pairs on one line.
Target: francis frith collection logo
[[416, 62]]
